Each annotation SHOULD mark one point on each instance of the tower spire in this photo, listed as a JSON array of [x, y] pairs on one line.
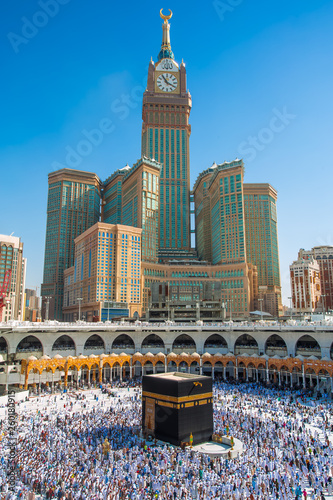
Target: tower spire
[[166, 45]]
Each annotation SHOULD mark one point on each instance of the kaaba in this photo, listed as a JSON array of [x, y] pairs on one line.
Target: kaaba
[[177, 406]]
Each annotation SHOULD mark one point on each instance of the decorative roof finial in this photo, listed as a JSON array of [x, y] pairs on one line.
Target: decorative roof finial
[[165, 51], [166, 18]]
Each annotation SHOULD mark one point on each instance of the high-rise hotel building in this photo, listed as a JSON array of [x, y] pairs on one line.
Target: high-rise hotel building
[[262, 247], [73, 206], [106, 275], [11, 259], [140, 204], [112, 197], [219, 214], [165, 138], [323, 254], [154, 196], [305, 286]]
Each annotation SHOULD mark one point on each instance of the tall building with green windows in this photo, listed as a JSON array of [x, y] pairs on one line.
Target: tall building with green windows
[[262, 243], [165, 138], [203, 227], [219, 214], [73, 206], [140, 204], [112, 197]]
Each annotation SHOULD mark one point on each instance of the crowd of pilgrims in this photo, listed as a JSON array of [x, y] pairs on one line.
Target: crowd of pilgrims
[[86, 445]]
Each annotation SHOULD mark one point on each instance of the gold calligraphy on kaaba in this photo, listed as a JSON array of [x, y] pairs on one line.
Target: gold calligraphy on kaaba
[[174, 399]]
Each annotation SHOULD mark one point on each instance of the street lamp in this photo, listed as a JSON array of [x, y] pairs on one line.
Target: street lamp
[[79, 299], [261, 301], [47, 307], [291, 311], [230, 309]]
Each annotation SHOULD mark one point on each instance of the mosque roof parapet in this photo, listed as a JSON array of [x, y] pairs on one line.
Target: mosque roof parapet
[[71, 328]]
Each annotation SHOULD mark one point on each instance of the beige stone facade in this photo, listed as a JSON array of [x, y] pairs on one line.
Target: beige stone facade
[[107, 268], [305, 285], [11, 258], [324, 256]]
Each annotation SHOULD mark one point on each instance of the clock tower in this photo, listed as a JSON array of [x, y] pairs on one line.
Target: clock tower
[[165, 138]]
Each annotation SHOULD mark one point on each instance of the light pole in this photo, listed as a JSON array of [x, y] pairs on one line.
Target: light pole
[[291, 311], [261, 301], [8, 303], [230, 309], [323, 299], [79, 299], [47, 307], [223, 307], [197, 304]]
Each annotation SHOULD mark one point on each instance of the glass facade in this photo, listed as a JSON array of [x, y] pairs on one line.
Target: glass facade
[[227, 214], [261, 233], [73, 206], [170, 148]]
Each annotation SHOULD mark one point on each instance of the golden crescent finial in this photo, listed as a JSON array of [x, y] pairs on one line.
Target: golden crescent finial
[[166, 18]]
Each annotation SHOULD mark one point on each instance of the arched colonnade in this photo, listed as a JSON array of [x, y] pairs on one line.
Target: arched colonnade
[[93, 369]]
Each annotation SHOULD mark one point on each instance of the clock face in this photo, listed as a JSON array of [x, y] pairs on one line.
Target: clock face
[[167, 82]]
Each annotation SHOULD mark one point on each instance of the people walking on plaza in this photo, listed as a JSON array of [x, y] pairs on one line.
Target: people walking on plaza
[[87, 445]]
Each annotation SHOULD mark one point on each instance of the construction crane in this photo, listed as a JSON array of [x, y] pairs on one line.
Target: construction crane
[[4, 289]]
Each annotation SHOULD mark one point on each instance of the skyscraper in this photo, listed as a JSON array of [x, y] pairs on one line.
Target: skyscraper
[[203, 227], [262, 243], [141, 203], [106, 276], [219, 212], [11, 259], [112, 197], [165, 138], [73, 206]]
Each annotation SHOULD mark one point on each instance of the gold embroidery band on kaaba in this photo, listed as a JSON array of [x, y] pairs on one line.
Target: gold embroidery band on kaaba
[[178, 406], [174, 399]]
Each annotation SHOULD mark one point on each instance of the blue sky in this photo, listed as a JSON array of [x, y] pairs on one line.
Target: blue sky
[[69, 65]]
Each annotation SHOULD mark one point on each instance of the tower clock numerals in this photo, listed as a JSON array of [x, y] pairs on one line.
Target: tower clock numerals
[[167, 82]]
